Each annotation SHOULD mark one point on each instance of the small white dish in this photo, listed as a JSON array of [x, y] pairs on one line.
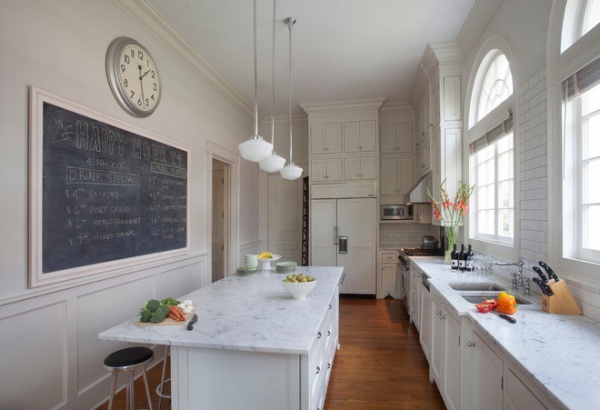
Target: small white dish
[[243, 271]]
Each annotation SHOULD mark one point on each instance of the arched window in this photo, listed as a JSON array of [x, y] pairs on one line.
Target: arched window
[[496, 84], [580, 93], [491, 152], [580, 17]]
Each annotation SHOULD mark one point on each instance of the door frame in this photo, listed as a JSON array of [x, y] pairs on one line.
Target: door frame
[[232, 206]]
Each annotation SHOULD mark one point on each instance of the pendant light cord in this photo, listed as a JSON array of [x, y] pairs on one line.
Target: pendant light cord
[[290, 22], [273, 80], [255, 78]]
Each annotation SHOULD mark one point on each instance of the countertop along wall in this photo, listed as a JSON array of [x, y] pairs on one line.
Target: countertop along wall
[[49, 335]]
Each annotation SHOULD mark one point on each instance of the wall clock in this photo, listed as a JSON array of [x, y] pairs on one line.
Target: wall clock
[[133, 76]]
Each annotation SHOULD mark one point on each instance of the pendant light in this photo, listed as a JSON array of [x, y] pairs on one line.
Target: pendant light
[[274, 162], [291, 171], [255, 148]]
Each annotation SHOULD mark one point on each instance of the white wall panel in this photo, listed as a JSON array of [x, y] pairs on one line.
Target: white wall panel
[[33, 363]]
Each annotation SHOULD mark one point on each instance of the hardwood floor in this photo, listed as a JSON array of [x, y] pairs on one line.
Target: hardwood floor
[[380, 364]]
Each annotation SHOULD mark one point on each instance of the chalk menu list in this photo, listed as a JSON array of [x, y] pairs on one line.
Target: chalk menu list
[[108, 194]]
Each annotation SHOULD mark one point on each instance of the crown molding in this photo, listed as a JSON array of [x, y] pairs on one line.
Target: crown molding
[[147, 16], [478, 18], [365, 104]]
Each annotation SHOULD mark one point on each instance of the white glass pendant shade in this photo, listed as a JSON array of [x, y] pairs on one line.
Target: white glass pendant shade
[[272, 163], [291, 171], [255, 149]]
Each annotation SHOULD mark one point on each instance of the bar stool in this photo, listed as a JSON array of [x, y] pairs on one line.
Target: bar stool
[[160, 387], [127, 360]]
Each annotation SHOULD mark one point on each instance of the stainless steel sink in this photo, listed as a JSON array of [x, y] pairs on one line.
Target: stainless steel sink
[[478, 297], [477, 286]]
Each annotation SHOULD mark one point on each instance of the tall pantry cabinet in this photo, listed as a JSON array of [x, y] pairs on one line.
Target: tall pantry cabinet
[[343, 174]]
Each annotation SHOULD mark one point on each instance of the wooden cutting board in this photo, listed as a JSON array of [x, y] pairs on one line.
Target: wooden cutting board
[[167, 322]]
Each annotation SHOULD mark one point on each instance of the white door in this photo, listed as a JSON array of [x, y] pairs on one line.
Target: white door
[[218, 220], [284, 218]]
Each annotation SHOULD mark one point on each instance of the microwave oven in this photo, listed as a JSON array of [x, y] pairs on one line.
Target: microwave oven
[[396, 212]]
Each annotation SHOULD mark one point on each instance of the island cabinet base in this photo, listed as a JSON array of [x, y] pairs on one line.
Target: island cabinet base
[[208, 378], [225, 379]]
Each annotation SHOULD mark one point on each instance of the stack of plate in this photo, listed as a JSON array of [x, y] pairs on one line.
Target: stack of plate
[[285, 267]]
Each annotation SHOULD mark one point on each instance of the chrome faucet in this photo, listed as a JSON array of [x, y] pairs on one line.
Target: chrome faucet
[[517, 277]]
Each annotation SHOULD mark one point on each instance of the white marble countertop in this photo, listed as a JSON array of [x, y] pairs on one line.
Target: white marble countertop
[[560, 352], [251, 312]]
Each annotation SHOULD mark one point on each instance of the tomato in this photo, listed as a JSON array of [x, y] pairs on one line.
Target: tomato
[[483, 308], [491, 303]]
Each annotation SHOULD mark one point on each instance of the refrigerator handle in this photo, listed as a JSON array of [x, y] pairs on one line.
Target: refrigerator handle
[[343, 245]]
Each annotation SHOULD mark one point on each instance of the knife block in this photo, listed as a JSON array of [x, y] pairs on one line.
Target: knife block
[[561, 302]]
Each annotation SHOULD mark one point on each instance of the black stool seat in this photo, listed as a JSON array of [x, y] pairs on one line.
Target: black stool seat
[[130, 356], [127, 361]]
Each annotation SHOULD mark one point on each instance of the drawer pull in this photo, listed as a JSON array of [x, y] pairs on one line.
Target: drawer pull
[[330, 306], [318, 369], [318, 335], [329, 333], [329, 365]]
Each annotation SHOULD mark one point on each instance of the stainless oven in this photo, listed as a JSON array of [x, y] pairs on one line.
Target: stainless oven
[[396, 212]]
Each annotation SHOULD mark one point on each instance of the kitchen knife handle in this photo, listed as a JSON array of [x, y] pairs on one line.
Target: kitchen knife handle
[[540, 273], [549, 270]]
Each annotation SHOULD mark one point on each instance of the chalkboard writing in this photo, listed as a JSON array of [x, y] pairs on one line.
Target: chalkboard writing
[[108, 194]]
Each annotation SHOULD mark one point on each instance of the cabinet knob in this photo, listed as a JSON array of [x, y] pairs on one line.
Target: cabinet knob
[[329, 333], [470, 344], [318, 370], [330, 306], [318, 335]]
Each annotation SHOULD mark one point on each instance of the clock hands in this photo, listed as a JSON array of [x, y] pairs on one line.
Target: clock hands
[[142, 83]]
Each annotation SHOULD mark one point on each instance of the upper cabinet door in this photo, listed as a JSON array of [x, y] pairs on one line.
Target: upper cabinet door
[[396, 138], [360, 136], [326, 138]]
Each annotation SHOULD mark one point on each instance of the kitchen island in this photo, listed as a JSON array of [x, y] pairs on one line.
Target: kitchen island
[[253, 346]]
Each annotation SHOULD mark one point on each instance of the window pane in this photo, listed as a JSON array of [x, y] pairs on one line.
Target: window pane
[[486, 197], [591, 188], [505, 223], [485, 222], [591, 144], [496, 85], [505, 194], [592, 16], [486, 173], [592, 100], [505, 166], [591, 239]]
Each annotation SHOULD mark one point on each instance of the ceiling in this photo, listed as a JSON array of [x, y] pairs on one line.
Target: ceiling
[[341, 49]]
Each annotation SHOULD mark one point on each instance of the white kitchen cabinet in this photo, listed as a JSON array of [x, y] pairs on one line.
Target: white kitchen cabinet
[[388, 281], [422, 213], [353, 220], [445, 354], [360, 136], [426, 318], [326, 138], [485, 371], [396, 138], [415, 297], [397, 176], [360, 168], [423, 159], [518, 396], [326, 170]]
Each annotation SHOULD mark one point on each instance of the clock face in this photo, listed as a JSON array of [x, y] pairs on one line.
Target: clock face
[[133, 77]]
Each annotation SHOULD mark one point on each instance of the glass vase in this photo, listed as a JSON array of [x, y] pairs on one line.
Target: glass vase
[[451, 232]]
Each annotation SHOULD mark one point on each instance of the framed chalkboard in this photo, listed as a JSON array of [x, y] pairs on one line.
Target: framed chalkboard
[[103, 194]]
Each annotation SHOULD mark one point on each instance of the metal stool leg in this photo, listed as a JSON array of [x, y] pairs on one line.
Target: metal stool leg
[[161, 385], [129, 392], [147, 388], [115, 374]]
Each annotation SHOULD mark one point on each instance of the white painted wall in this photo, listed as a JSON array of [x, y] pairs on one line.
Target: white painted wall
[[51, 356]]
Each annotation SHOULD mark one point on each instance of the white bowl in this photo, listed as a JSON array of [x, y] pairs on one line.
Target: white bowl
[[299, 290]]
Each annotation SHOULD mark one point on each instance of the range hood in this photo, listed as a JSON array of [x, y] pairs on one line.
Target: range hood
[[417, 194]]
